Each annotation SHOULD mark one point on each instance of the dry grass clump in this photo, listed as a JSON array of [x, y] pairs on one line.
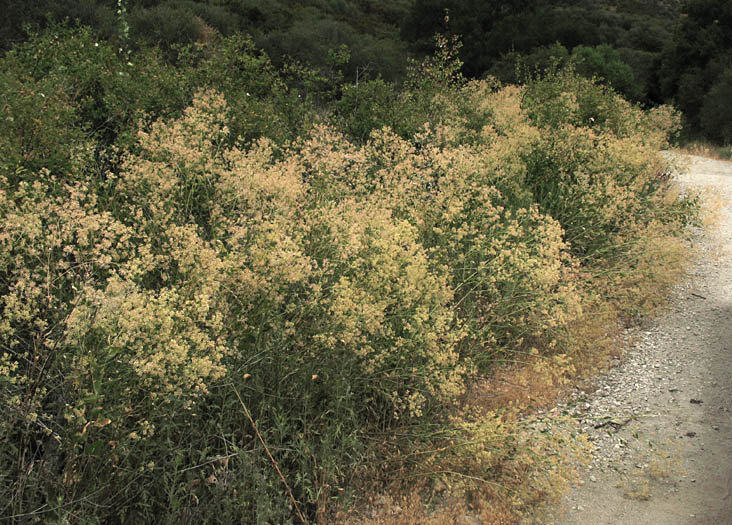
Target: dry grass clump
[[707, 149], [489, 467], [656, 466]]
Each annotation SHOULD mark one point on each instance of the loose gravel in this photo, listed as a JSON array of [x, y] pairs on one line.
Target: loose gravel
[[660, 422]]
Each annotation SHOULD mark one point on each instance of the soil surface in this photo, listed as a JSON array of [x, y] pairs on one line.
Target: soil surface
[[660, 422]]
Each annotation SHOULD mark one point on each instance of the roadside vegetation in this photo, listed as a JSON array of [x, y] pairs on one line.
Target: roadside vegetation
[[238, 292]]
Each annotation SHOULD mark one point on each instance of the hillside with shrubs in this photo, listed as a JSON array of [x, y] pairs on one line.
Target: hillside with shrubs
[[651, 51], [235, 292]]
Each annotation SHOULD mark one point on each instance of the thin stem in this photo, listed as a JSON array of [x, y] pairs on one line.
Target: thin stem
[[274, 463]]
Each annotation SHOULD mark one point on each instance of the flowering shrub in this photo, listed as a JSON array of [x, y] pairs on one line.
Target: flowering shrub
[[215, 322], [387, 308]]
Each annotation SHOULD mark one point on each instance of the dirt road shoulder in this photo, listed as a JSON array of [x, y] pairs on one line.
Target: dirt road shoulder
[[661, 421]]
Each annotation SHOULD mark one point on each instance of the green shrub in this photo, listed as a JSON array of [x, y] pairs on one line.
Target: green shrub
[[259, 102], [106, 95], [369, 106], [564, 97], [599, 171], [165, 26], [605, 62], [515, 67], [39, 127]]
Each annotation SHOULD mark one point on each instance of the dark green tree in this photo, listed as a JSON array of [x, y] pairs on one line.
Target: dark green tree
[[605, 62], [716, 111], [696, 60], [476, 22]]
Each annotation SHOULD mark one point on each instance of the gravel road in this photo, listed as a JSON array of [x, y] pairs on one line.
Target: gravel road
[[660, 422]]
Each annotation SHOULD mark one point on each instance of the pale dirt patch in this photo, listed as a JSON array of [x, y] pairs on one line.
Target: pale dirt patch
[[661, 420]]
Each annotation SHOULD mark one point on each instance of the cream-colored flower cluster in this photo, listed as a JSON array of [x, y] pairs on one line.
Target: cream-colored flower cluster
[[394, 266]]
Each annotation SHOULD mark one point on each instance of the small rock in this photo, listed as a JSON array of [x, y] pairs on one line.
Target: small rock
[[467, 519]]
